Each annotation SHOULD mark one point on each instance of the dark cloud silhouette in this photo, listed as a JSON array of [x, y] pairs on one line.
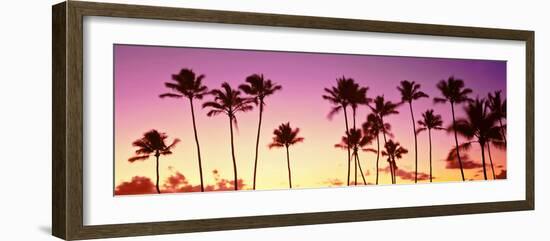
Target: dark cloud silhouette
[[175, 183], [138, 185], [501, 175], [407, 175], [467, 163]]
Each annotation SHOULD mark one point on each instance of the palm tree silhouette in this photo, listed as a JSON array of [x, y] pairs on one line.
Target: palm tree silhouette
[[382, 108], [355, 140], [188, 85], [371, 129], [410, 91], [340, 96], [357, 97], [393, 150], [229, 101], [285, 136], [258, 88], [480, 125], [454, 92], [153, 143], [500, 144], [430, 122], [498, 107]]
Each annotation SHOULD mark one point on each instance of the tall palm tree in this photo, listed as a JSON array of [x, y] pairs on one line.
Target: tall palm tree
[[498, 106], [478, 126], [152, 143], [454, 92], [382, 108], [285, 136], [358, 97], [410, 91], [498, 143], [340, 96], [190, 86], [430, 121], [393, 150], [371, 129], [259, 88], [229, 101], [355, 140]]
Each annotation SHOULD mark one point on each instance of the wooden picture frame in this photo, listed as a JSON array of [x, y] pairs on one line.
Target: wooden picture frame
[[67, 124]]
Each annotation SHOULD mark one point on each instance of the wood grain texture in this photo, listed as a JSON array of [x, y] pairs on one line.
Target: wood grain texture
[[67, 137], [59, 193]]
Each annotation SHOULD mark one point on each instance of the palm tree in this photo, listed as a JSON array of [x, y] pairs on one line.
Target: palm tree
[[499, 144], [153, 143], [258, 88], [188, 85], [410, 91], [393, 150], [229, 101], [358, 97], [430, 122], [454, 92], [355, 140], [382, 108], [478, 126], [285, 136], [340, 96], [371, 129], [498, 107]]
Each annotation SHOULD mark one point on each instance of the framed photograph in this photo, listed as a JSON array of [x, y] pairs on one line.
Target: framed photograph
[[171, 120]]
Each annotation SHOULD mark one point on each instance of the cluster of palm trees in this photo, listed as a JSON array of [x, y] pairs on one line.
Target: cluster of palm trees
[[226, 100], [483, 123]]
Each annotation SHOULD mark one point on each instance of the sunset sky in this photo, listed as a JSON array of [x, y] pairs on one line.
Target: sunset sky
[[140, 73]]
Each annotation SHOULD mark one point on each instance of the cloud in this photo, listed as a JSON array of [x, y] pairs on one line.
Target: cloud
[[501, 175], [224, 184], [467, 163], [407, 175], [334, 182], [138, 185], [176, 183], [179, 183]]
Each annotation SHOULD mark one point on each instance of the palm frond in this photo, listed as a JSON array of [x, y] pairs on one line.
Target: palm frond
[[138, 158]]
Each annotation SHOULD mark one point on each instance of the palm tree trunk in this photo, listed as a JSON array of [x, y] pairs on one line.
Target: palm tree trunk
[[355, 160], [233, 153], [157, 185], [483, 159], [258, 143], [415, 145], [197, 142], [360, 169], [347, 132], [491, 160], [456, 142], [430, 140], [355, 152], [389, 157], [377, 155], [502, 130], [288, 162]]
